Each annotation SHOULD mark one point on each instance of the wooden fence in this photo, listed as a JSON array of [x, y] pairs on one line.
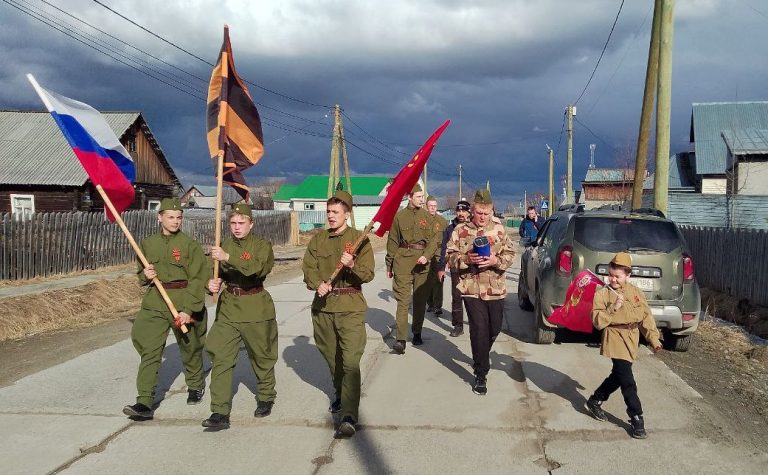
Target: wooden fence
[[58, 243], [731, 260]]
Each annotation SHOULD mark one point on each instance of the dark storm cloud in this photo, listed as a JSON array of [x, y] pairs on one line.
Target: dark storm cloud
[[503, 71]]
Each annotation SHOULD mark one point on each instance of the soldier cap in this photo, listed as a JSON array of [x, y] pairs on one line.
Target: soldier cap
[[483, 197], [622, 259], [343, 196], [170, 204], [416, 188], [243, 208], [431, 198]]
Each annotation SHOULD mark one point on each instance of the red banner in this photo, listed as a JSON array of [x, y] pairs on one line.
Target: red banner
[[576, 314]]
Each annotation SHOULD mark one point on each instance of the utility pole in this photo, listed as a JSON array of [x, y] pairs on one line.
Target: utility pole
[[571, 111], [649, 96], [551, 180], [460, 195], [663, 107], [338, 145]]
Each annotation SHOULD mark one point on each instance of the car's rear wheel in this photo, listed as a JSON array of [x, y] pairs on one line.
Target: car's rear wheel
[[542, 334], [522, 297], [677, 342]]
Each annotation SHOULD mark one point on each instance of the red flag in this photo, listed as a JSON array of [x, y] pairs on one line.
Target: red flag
[[576, 314], [404, 181]]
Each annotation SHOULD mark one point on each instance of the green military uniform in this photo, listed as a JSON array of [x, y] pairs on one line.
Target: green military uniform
[[246, 313], [338, 318], [180, 263], [435, 285], [411, 236]]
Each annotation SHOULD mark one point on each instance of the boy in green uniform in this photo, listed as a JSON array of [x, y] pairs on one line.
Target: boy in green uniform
[[436, 274], [245, 313], [338, 309], [411, 244], [622, 314], [179, 263]]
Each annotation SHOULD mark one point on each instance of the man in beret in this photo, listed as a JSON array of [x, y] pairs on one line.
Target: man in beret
[[457, 309], [411, 244], [179, 263], [338, 307], [436, 274], [481, 264], [245, 314]]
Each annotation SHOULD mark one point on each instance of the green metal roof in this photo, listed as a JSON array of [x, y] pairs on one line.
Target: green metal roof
[[315, 187], [747, 141], [710, 120], [285, 193]]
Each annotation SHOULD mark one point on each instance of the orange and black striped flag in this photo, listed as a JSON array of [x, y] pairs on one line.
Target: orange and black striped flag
[[234, 125]]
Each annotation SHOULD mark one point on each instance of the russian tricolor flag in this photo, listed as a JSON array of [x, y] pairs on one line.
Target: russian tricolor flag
[[104, 158]]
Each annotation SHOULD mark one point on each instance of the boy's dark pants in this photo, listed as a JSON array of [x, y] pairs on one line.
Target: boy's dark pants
[[621, 377]]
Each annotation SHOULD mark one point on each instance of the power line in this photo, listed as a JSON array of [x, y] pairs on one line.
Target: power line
[[605, 46], [594, 134]]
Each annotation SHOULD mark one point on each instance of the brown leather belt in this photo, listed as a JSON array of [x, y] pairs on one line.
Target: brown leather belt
[[625, 326], [346, 290], [175, 284], [240, 291], [417, 246]]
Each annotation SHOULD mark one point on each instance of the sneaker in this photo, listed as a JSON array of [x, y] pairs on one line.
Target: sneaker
[[263, 408], [335, 406], [399, 347], [346, 428], [638, 427], [139, 411], [217, 421], [593, 405], [417, 339], [480, 387], [457, 331], [194, 396]]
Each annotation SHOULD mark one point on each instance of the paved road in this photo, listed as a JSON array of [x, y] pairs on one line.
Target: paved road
[[418, 414]]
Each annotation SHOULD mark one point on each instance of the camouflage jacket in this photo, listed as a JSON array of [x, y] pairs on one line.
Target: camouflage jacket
[[487, 284]]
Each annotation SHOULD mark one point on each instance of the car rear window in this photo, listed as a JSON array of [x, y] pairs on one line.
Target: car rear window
[[622, 234]]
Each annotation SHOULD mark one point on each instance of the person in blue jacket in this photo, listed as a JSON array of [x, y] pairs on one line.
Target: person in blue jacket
[[531, 225]]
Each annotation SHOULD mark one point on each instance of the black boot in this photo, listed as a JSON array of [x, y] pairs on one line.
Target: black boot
[[194, 396], [399, 347], [263, 408], [439, 312], [346, 428], [335, 406], [139, 412], [417, 339], [638, 427], [217, 421], [594, 408], [458, 330], [480, 387]]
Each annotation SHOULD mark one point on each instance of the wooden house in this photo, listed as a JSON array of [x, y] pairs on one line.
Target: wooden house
[[40, 173]]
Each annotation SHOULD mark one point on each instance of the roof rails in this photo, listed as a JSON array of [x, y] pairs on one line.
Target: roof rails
[[609, 207], [575, 208], [651, 211]]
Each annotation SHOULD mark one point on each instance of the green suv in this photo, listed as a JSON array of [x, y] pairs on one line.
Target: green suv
[[573, 240]]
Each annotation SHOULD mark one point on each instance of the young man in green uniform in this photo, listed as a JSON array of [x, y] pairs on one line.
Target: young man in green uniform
[[436, 274], [179, 263], [245, 313], [411, 244], [338, 309]]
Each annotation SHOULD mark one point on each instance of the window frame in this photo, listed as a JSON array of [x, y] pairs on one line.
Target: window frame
[[14, 196]]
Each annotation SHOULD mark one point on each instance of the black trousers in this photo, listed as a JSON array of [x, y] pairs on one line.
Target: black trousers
[[621, 377], [485, 319], [457, 311]]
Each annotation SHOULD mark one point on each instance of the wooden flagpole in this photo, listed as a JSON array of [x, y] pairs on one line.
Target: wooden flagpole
[[219, 187], [355, 248], [223, 113], [142, 258]]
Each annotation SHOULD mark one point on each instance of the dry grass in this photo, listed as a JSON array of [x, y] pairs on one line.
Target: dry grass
[[751, 317], [69, 308], [38, 280]]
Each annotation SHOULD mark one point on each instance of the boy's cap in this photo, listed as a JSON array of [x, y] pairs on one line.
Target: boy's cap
[[483, 197], [343, 196], [622, 259], [244, 209], [462, 205], [416, 188], [170, 204]]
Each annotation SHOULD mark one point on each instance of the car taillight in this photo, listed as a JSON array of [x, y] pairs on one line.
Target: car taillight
[[564, 260], [687, 269], [687, 317]]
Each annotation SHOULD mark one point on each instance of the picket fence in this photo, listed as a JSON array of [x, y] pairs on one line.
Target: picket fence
[[732, 261], [58, 243]]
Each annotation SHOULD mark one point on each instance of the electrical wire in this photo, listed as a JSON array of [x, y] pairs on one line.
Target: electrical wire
[[594, 134]]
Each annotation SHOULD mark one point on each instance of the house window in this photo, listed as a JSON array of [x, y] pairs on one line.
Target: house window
[[153, 205], [309, 206], [22, 206]]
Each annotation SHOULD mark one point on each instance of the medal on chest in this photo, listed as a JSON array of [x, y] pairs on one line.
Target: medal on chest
[[176, 253], [246, 256], [423, 223]]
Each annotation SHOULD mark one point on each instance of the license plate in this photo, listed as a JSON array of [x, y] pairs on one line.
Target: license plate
[[642, 283]]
